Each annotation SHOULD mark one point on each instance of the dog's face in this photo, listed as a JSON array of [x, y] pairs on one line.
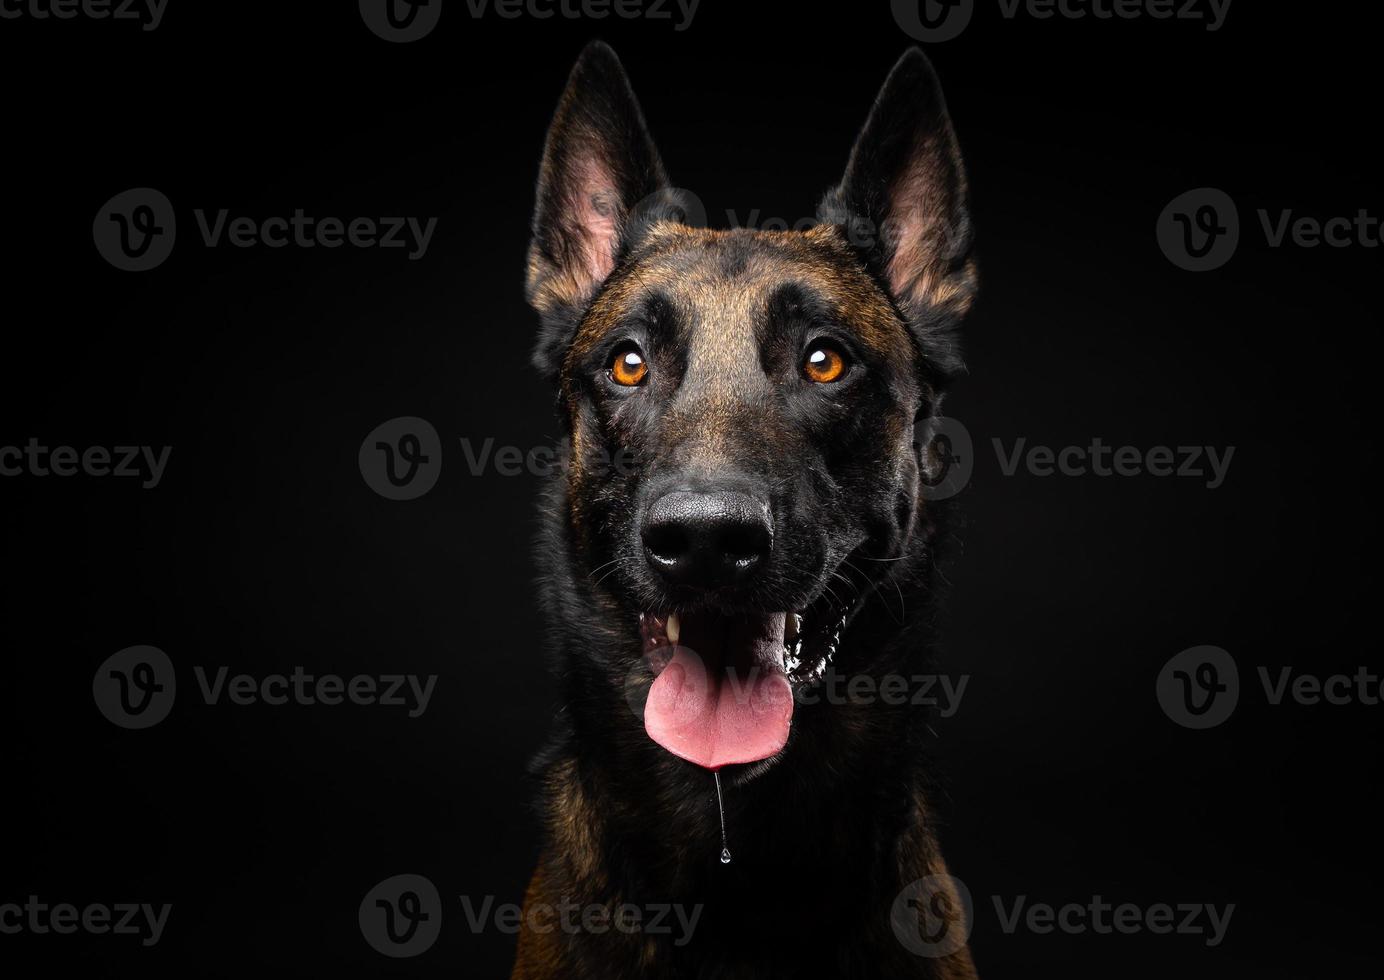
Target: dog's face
[[742, 403]]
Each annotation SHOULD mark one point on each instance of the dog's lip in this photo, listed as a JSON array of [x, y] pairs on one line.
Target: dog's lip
[[810, 639]]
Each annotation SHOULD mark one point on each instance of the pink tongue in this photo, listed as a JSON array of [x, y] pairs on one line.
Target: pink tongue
[[722, 719]]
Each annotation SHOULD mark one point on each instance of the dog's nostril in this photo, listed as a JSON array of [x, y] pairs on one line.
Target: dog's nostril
[[707, 539], [666, 542], [744, 543]]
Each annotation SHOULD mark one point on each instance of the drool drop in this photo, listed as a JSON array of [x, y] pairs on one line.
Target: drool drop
[[721, 805]]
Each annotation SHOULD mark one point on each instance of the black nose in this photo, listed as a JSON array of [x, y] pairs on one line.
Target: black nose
[[707, 539]]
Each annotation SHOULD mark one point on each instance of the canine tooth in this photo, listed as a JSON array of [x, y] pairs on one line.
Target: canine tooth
[[673, 629], [792, 629]]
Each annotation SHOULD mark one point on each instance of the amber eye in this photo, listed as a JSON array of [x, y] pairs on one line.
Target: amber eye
[[824, 363], [629, 368]]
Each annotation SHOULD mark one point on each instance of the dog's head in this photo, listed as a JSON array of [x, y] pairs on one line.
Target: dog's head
[[741, 404]]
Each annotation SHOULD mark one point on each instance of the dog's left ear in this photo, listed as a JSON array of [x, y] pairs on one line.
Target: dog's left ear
[[599, 163], [903, 203]]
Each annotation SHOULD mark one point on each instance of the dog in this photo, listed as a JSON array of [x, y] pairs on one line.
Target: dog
[[744, 513]]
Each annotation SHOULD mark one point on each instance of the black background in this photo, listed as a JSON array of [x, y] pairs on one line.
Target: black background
[[263, 549]]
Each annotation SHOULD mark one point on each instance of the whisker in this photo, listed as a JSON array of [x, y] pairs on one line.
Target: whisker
[[617, 563], [903, 612]]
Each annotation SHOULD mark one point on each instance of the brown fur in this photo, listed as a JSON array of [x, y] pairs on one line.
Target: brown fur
[[836, 825]]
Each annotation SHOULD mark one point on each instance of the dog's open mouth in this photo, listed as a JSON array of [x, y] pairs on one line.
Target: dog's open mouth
[[723, 684]]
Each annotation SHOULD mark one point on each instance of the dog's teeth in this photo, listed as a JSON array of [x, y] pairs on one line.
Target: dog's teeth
[[673, 629], [792, 629]]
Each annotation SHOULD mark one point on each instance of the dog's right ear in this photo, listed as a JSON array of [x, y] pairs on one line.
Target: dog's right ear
[[905, 180], [599, 163]]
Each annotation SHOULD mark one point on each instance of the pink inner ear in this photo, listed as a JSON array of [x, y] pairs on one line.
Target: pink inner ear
[[911, 228], [596, 214]]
